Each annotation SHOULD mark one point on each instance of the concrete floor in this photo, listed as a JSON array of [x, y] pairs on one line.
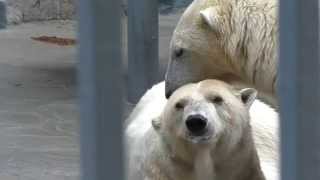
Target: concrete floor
[[39, 138]]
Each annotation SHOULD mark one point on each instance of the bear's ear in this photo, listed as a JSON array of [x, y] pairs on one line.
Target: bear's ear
[[156, 124], [211, 17], [248, 95]]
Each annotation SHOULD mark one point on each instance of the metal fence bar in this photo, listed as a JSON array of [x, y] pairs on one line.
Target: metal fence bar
[[299, 89], [100, 90], [143, 64], [3, 14]]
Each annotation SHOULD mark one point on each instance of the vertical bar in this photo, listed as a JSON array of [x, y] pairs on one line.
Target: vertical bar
[[299, 89], [3, 14], [142, 47], [100, 90]]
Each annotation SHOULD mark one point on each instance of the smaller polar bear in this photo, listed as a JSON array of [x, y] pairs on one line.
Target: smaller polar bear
[[203, 133], [264, 122]]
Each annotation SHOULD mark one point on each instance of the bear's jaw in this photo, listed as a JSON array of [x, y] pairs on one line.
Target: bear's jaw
[[206, 139], [198, 163], [182, 151], [199, 140]]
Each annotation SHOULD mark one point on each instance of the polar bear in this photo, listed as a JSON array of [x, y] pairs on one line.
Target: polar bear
[[141, 136], [227, 40]]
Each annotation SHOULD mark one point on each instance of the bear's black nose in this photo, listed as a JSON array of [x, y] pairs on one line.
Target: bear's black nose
[[168, 94], [196, 124]]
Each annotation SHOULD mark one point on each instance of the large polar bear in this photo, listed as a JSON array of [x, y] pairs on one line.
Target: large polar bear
[[264, 122], [228, 40], [203, 133]]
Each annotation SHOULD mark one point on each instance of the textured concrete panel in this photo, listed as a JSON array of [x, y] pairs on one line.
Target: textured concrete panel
[[35, 10]]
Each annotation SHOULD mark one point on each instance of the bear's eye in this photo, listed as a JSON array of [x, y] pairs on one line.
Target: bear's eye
[[178, 52], [217, 99], [179, 105]]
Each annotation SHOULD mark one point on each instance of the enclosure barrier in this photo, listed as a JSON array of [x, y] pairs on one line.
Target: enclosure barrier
[[100, 90], [299, 89], [143, 47], [3, 14]]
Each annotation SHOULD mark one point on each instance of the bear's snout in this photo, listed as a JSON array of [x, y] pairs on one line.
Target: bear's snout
[[168, 93], [197, 124]]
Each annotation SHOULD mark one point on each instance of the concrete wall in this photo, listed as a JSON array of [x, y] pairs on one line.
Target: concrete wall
[[35, 10]]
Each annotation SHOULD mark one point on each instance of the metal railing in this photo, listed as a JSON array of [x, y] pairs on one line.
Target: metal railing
[[143, 47], [101, 97], [3, 14], [299, 89]]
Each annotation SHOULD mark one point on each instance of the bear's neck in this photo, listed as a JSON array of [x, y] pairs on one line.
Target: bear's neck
[[251, 40], [238, 163]]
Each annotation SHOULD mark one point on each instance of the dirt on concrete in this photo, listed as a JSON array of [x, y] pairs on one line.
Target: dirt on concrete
[[55, 40]]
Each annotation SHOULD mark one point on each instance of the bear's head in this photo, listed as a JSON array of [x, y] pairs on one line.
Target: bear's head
[[206, 113], [196, 52], [227, 40]]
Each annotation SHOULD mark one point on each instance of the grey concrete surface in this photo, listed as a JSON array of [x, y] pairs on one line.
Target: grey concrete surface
[[32, 10], [38, 112], [39, 125]]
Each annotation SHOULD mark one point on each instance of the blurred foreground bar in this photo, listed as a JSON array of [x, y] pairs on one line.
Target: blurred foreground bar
[[3, 14], [100, 90], [299, 89], [143, 63]]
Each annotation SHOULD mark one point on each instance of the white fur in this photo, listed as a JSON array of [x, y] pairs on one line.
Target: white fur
[[227, 38], [264, 122], [149, 107]]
